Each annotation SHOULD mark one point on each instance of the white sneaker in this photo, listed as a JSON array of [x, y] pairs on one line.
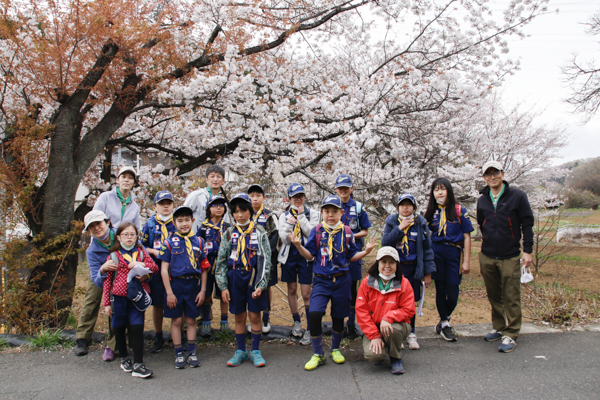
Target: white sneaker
[[412, 342], [249, 328], [305, 341], [266, 328], [297, 329]]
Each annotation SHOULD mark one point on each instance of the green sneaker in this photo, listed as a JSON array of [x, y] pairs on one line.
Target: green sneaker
[[337, 357], [314, 362]]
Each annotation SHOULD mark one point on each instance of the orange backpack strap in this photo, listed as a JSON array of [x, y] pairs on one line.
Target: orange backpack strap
[[458, 213]]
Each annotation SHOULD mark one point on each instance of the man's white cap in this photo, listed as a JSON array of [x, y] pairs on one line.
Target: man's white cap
[[388, 251], [491, 164], [128, 168], [93, 216]]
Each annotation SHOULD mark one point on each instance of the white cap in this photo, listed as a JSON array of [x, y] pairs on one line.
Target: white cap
[[388, 251], [128, 168], [491, 164], [93, 216]]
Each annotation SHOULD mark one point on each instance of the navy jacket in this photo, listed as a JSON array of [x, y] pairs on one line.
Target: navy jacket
[[501, 227], [392, 235]]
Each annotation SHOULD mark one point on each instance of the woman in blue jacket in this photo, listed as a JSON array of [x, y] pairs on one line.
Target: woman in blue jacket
[[408, 233]]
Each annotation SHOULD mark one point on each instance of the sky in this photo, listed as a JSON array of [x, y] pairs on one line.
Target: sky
[[539, 84]]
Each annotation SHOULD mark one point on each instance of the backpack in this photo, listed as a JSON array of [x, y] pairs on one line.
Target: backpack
[[151, 224], [114, 258], [347, 233], [358, 211]]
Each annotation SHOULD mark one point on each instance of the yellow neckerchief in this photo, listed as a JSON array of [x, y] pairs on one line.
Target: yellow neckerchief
[[332, 233], [442, 228], [208, 223], [257, 214], [405, 237], [130, 258], [241, 246], [297, 230], [188, 247], [164, 232]]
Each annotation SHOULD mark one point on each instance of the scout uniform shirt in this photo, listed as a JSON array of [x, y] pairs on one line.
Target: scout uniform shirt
[[450, 231], [324, 264], [176, 253]]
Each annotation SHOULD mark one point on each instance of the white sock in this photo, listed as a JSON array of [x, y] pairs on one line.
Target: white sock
[[445, 324]]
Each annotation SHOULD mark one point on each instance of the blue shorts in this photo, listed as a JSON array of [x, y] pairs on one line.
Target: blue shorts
[[447, 263], [185, 290], [408, 270], [240, 293], [125, 312], [298, 270], [212, 287], [157, 290], [335, 289], [356, 270]]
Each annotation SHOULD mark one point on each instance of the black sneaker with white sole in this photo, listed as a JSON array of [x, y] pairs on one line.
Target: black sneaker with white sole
[[140, 371], [126, 364], [448, 334], [438, 328]]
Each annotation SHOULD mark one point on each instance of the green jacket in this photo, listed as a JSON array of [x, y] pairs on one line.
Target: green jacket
[[263, 262]]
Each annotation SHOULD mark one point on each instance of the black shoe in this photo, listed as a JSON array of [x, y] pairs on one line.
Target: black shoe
[[438, 328], [159, 342], [81, 349], [351, 332], [126, 364], [397, 366], [448, 334], [140, 371]]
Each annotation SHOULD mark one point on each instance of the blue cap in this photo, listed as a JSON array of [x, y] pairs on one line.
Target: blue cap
[[179, 209], [256, 186], [343, 180], [407, 196], [136, 293], [332, 201], [241, 197], [216, 198], [163, 195], [294, 189]]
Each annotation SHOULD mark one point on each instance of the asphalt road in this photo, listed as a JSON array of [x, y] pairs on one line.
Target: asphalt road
[[543, 366]]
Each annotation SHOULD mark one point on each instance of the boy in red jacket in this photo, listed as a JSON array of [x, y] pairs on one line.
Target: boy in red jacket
[[384, 307]]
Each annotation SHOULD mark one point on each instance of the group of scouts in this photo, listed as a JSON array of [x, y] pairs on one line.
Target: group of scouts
[[228, 249]]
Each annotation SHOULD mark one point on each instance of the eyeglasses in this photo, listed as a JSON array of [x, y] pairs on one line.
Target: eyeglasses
[[490, 174], [128, 235]]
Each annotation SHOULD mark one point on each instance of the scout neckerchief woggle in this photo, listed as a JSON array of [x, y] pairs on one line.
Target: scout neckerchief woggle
[[332, 232], [188, 247], [404, 243]]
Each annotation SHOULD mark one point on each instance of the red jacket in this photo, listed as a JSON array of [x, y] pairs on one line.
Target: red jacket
[[119, 288], [372, 306]]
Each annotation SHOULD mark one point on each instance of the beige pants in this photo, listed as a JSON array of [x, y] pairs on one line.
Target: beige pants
[[393, 343], [503, 285], [89, 315]]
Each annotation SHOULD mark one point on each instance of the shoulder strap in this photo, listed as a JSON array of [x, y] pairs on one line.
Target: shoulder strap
[[458, 213], [358, 211], [151, 223], [229, 233], [307, 213], [348, 236]]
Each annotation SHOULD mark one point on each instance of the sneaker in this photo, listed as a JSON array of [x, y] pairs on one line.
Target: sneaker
[[449, 334], [140, 371], [205, 329], [108, 355], [224, 326], [159, 342], [192, 359], [378, 363], [493, 336], [351, 332], [238, 358], [179, 360], [397, 366], [297, 329], [314, 362], [126, 364], [81, 349], [305, 341], [438, 328], [507, 345], [249, 328], [266, 328], [412, 342], [257, 358], [337, 357]]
